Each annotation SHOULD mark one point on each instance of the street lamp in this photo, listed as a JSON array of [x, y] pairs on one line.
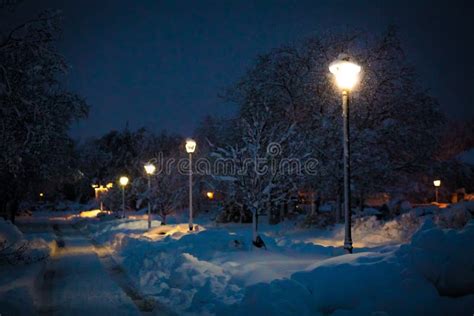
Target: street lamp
[[149, 169], [190, 148], [437, 184], [347, 75], [123, 182]]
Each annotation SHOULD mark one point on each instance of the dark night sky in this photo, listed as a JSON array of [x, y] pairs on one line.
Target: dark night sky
[[161, 64]]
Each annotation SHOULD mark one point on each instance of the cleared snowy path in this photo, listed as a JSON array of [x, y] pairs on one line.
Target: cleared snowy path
[[76, 283]]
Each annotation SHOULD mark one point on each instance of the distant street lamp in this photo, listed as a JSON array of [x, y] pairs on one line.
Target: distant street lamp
[[123, 182], [149, 169], [437, 184], [347, 75], [190, 148]]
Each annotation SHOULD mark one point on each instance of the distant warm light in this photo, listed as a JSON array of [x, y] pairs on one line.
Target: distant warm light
[[100, 189], [41, 194], [345, 71], [437, 183], [150, 168], [210, 195], [92, 213], [190, 146], [123, 181], [109, 185]]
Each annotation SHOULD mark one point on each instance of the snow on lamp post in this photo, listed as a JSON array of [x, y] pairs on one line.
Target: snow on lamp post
[[437, 184], [347, 75], [123, 182], [190, 148], [150, 170]]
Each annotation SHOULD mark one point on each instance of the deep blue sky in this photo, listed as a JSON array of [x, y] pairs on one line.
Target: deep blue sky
[[161, 64]]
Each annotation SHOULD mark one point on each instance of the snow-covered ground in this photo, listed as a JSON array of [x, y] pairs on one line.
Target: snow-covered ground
[[421, 262], [398, 268]]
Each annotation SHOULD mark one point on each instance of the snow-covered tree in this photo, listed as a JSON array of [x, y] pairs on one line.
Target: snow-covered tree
[[36, 111]]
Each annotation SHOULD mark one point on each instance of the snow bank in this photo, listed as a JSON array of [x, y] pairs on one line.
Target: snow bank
[[171, 272], [369, 232], [16, 277], [202, 271], [14, 248], [412, 280], [455, 216]]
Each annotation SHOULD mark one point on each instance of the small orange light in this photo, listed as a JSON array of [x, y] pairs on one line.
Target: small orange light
[[210, 195]]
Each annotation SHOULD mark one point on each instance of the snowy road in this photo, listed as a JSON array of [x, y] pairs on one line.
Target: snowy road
[[75, 281]]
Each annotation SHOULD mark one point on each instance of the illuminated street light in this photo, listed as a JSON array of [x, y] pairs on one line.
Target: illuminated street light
[[123, 182], [437, 184], [149, 169], [345, 71], [190, 148], [347, 75]]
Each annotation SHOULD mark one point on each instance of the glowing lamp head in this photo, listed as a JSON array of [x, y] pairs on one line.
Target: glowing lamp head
[[41, 194], [123, 181], [210, 195], [437, 183], [190, 146], [345, 71], [150, 168]]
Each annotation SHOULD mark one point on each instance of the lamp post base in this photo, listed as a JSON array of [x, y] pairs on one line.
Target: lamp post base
[[348, 247]]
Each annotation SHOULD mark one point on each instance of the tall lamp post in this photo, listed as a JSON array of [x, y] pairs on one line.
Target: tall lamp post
[[149, 169], [347, 75], [123, 182], [437, 184], [190, 148]]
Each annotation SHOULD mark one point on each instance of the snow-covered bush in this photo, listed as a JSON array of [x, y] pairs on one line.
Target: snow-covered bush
[[15, 249], [319, 220], [456, 216], [232, 212]]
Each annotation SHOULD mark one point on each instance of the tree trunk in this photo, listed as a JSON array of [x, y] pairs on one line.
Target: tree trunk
[[361, 202], [12, 208], [163, 219], [313, 204], [242, 214], [254, 225], [338, 208], [318, 202]]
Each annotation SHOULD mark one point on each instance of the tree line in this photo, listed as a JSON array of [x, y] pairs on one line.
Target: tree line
[[400, 139]]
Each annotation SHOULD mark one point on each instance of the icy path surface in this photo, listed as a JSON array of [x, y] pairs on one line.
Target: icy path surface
[[76, 283]]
